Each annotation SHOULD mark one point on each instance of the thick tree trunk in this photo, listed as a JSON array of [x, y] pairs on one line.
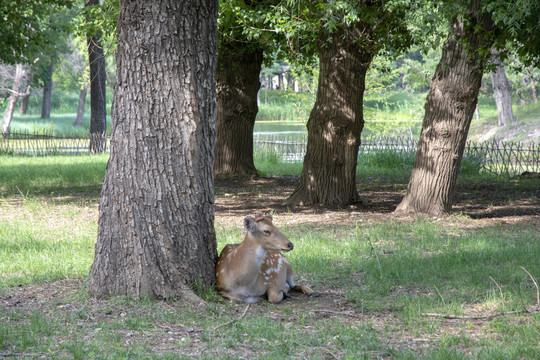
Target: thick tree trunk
[[335, 122], [236, 101], [501, 91], [98, 104], [80, 108], [449, 108], [156, 235], [12, 101], [47, 93]]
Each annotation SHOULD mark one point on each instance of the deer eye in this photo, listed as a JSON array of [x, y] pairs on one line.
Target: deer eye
[[266, 232]]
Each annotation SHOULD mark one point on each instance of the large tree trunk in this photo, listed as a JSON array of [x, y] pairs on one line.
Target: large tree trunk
[[501, 91], [335, 122], [80, 108], [236, 108], [156, 235], [449, 108], [47, 93], [10, 108], [98, 78]]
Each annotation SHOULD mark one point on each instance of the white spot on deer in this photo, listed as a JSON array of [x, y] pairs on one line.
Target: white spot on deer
[[280, 262]]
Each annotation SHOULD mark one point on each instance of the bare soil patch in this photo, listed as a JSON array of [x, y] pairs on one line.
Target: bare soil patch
[[481, 204]]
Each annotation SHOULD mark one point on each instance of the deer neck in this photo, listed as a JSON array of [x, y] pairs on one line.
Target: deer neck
[[251, 256]]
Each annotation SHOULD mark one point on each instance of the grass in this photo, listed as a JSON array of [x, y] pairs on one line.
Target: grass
[[63, 114], [376, 279], [51, 175]]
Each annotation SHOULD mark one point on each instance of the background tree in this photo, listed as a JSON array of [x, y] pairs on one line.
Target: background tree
[[240, 58], [26, 95], [26, 27], [47, 90], [501, 91], [348, 35], [475, 28], [27, 31], [156, 236], [73, 74], [14, 93], [98, 104]]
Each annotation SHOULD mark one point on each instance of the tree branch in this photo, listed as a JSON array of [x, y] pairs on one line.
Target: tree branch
[[535, 284], [233, 320], [480, 317]]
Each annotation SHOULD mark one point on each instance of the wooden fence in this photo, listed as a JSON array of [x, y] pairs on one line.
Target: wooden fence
[[509, 158], [25, 143], [495, 156]]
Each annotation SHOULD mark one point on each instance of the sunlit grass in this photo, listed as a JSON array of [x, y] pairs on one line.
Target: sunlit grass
[[51, 175], [389, 269]]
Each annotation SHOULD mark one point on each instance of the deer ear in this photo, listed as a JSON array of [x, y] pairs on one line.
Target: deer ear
[[269, 217], [249, 224]]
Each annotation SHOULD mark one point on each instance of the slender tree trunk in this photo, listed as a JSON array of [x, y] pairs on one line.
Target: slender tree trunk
[[156, 235], [533, 82], [10, 108], [335, 122], [26, 96], [236, 101], [98, 78], [449, 108], [80, 108], [521, 93], [501, 91], [47, 92]]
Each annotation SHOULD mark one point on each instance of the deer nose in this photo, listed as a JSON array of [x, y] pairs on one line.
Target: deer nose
[[290, 245]]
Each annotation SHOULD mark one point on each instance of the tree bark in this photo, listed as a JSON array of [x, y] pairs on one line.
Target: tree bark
[[449, 108], [155, 234], [98, 104], [80, 108], [10, 108], [335, 122], [47, 93], [501, 91], [236, 101]]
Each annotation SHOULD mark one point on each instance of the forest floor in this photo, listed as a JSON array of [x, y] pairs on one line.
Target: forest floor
[[478, 205], [485, 203]]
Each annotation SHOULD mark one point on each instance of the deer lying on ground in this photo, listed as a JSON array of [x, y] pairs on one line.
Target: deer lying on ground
[[255, 268]]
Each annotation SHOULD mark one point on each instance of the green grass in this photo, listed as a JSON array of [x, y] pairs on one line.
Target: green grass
[[283, 105], [386, 272], [51, 175], [63, 114]]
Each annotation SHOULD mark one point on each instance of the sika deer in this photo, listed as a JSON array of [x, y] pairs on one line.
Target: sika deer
[[255, 268]]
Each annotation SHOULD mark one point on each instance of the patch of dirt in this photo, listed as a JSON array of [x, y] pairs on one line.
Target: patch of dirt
[[479, 204]]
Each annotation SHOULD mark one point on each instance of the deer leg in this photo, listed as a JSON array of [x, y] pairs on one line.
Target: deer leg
[[274, 294], [300, 288], [304, 289], [235, 298]]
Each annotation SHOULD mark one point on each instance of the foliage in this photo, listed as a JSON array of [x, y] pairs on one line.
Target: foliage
[[304, 21], [98, 20], [28, 28], [284, 105], [417, 68], [72, 70], [517, 24]]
